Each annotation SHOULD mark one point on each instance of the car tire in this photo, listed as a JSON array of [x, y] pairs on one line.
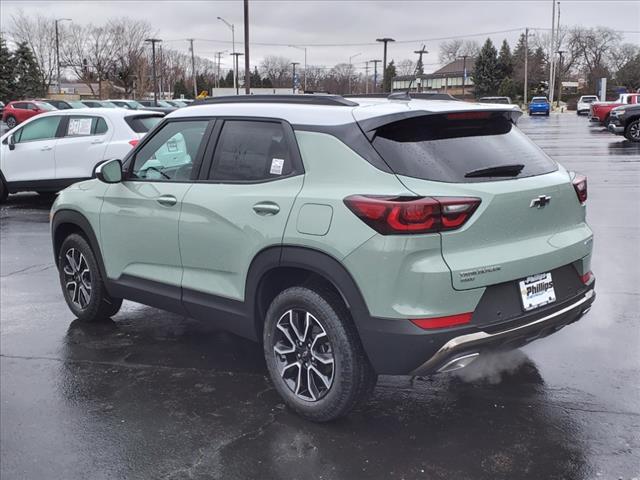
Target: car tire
[[49, 196], [4, 191], [81, 282], [632, 132], [546, 114], [314, 355], [530, 113], [607, 121], [11, 122]]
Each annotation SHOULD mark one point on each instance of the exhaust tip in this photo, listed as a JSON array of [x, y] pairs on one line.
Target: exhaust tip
[[458, 362]]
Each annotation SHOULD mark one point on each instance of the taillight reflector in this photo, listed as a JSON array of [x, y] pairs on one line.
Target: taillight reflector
[[580, 186], [134, 142], [442, 322], [405, 215], [586, 278]]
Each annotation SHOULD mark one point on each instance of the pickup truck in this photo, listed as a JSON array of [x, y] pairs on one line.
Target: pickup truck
[[600, 111], [625, 120]]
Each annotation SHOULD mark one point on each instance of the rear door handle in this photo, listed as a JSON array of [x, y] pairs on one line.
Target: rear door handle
[[167, 200], [266, 208], [46, 148], [97, 140]]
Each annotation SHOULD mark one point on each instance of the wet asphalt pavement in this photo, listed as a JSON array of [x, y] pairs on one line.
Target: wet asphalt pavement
[[151, 395]]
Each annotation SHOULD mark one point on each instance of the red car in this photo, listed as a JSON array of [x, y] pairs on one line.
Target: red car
[[20, 110], [600, 111]]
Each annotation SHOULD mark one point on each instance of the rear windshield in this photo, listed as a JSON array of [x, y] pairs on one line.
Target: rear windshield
[[142, 123], [445, 148]]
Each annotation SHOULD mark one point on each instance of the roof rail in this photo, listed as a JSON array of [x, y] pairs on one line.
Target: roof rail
[[327, 100], [403, 95]]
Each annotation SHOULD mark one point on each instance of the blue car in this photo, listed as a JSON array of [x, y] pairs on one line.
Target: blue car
[[539, 105]]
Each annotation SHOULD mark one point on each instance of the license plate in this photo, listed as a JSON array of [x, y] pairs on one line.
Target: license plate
[[537, 290]]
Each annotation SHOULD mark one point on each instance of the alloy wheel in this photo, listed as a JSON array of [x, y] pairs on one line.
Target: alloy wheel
[[634, 131], [304, 355], [11, 122], [77, 277]]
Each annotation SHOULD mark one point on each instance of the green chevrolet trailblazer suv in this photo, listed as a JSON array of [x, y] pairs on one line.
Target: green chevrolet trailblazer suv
[[352, 237]]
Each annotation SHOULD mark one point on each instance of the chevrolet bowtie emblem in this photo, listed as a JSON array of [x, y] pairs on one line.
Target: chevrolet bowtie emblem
[[540, 202]]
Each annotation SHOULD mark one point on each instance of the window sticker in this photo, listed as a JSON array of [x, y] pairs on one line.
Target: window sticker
[[172, 145], [79, 126], [276, 166]]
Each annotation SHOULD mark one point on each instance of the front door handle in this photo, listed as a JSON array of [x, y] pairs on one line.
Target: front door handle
[[97, 141], [167, 200], [46, 148], [266, 208]]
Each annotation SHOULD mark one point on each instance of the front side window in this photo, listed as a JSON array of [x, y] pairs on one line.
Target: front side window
[[170, 153], [251, 151], [40, 129], [79, 126]]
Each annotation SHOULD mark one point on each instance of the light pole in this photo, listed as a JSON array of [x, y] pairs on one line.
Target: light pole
[[560, 52], [235, 71], [375, 74], [464, 73], [233, 47], [58, 49], [350, 58], [153, 42], [305, 64], [293, 78], [193, 68], [384, 40]]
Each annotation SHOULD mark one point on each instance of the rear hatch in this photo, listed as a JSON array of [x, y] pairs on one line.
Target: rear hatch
[[513, 233]]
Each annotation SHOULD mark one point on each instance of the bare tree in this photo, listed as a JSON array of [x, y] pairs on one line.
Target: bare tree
[[592, 48], [406, 67], [453, 49], [316, 76], [128, 37], [622, 54], [277, 70], [39, 33], [91, 52]]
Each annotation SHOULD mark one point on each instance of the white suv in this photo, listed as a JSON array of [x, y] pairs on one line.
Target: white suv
[[584, 103], [53, 150]]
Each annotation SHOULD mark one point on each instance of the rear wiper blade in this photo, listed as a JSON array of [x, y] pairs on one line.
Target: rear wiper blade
[[498, 171]]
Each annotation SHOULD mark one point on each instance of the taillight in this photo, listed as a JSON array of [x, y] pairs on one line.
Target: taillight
[[405, 215], [586, 278], [134, 142], [580, 186], [442, 322]]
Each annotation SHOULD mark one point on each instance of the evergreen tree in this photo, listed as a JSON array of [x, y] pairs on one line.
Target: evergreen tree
[[485, 75], [228, 81], [388, 76], [256, 80], [26, 74], [6, 73], [629, 74], [508, 88], [180, 88], [505, 61]]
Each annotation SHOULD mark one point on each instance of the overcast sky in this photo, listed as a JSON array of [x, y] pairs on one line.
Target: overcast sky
[[352, 25]]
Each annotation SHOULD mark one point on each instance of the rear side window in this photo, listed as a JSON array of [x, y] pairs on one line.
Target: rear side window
[[445, 148], [80, 126], [251, 151], [142, 123], [21, 106]]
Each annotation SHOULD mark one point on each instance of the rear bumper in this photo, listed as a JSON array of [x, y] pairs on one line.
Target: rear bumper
[[398, 347]]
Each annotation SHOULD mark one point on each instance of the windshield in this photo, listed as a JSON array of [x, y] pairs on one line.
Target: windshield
[[162, 103], [76, 104], [44, 106], [589, 99], [539, 100], [135, 105], [109, 105], [446, 147]]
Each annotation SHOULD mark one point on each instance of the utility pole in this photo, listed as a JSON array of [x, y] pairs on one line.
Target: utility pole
[[161, 74], [233, 47], [526, 64], [305, 64], [384, 40], [153, 42], [419, 65], [58, 50], [218, 56], [552, 50], [464, 73], [350, 75], [235, 71], [193, 68], [247, 72], [366, 77], [560, 53], [375, 74], [293, 86]]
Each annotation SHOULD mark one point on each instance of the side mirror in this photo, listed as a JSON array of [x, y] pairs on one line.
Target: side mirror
[[109, 171], [11, 142]]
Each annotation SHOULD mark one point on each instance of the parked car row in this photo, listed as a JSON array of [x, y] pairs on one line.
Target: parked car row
[[18, 111], [621, 116]]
